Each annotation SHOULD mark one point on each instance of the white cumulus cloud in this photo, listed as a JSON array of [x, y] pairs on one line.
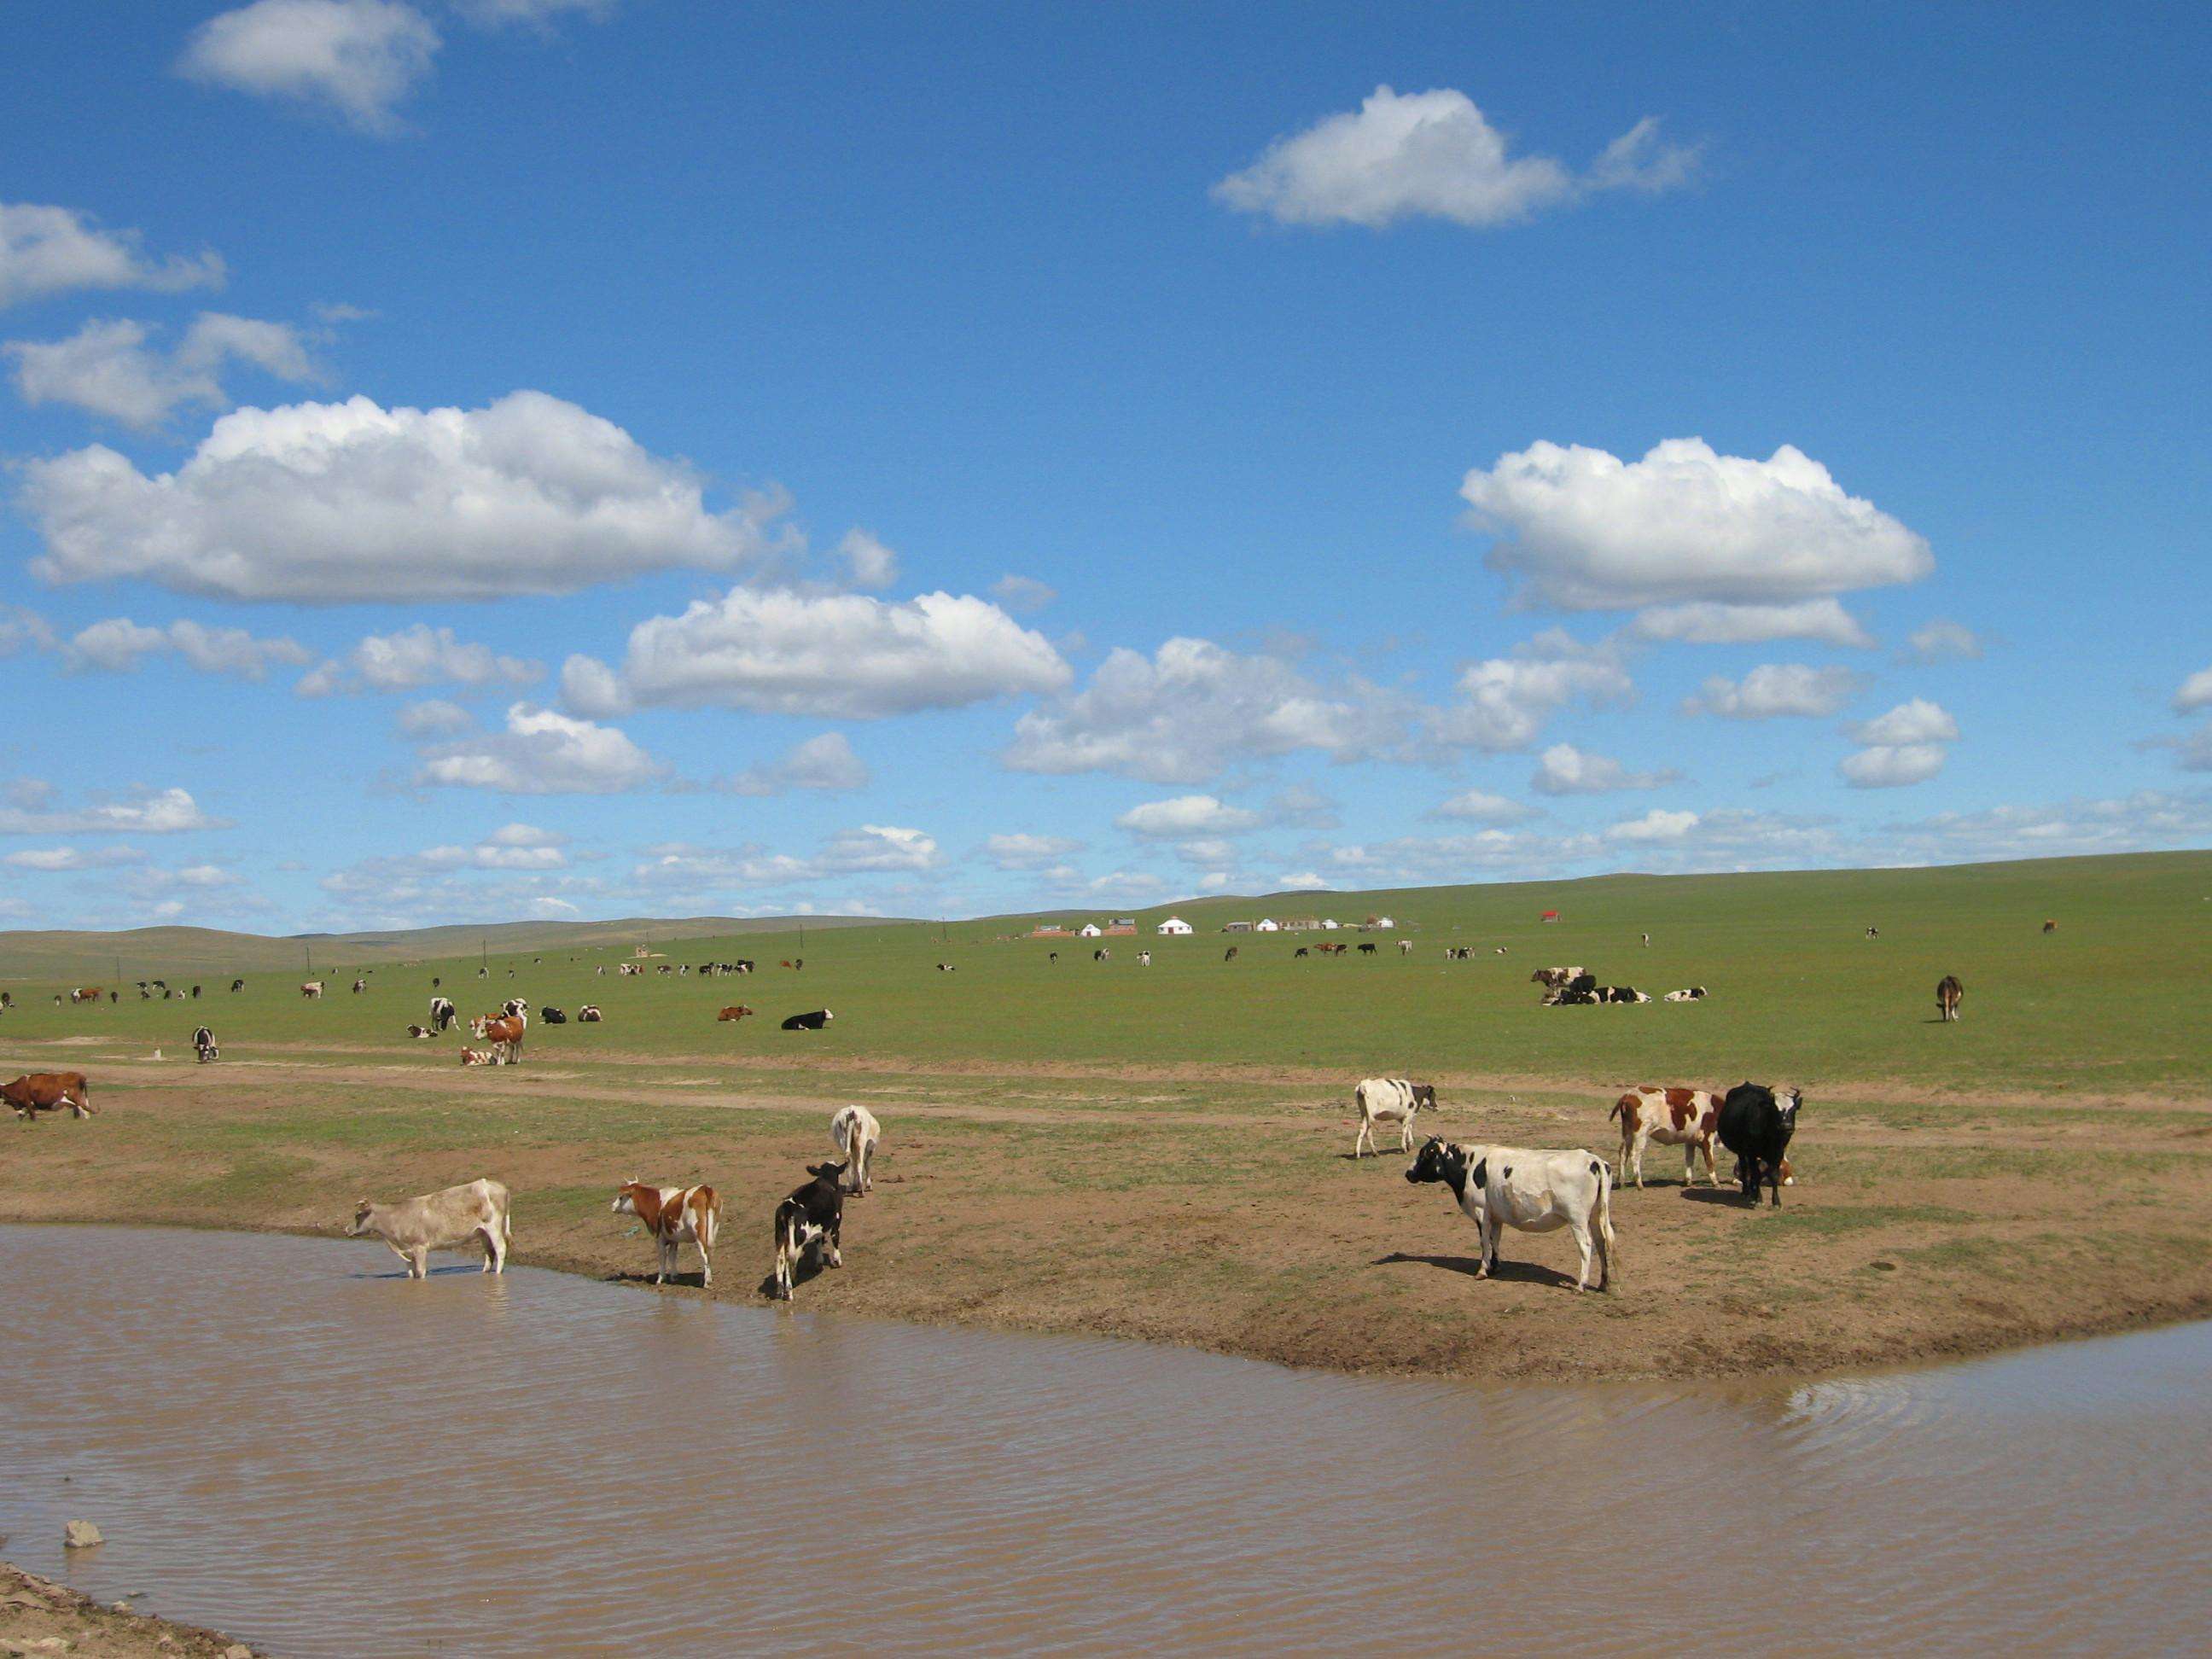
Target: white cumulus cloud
[[117, 645], [542, 753], [826, 761], [46, 250], [1776, 690], [147, 812], [358, 58], [1583, 530], [1916, 721], [1503, 702], [415, 657], [1564, 770], [1892, 766], [1657, 825], [1187, 815], [2194, 693], [869, 563], [1705, 623]]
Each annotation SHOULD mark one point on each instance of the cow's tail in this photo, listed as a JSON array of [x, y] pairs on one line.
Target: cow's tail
[[1618, 1107], [1603, 1217]]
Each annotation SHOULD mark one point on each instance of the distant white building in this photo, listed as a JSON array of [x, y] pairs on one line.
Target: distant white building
[[1331, 923], [1089, 929], [1267, 925], [1174, 924]]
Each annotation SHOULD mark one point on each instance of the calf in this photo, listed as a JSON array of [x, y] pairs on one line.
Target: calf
[[1144, 959], [552, 1015], [855, 1132], [674, 1216], [1390, 1100], [813, 1022], [479, 1057], [735, 1010], [1756, 1126], [589, 1014], [1948, 992], [1689, 994], [204, 1045], [812, 1215], [1537, 1192], [421, 1033], [359, 986], [411, 1228], [48, 1091], [1688, 1118]]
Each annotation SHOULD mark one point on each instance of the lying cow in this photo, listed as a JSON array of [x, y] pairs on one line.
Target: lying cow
[[1688, 993], [813, 1215], [1618, 993], [736, 1011], [589, 1014], [1552, 978], [813, 1022], [1756, 1126], [1537, 1192], [421, 1033], [855, 1132], [1688, 1118], [483, 1057], [552, 1015], [204, 1045], [674, 1216], [48, 1091], [1390, 1100], [476, 1211]]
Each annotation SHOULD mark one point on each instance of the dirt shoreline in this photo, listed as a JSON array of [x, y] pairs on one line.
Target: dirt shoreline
[[1199, 1217], [36, 1614]]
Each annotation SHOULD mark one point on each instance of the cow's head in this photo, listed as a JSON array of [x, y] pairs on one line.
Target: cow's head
[[1425, 1096], [1787, 1101], [359, 1224], [1439, 1160], [626, 1199], [832, 1173]]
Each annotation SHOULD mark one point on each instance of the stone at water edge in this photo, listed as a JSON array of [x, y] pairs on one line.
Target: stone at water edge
[[80, 1536], [238, 1650]]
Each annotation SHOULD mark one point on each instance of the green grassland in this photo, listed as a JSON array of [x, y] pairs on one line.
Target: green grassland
[[2107, 1004]]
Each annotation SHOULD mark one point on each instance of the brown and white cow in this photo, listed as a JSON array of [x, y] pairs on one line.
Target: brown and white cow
[[479, 1057], [1688, 1118], [86, 993], [48, 1091], [735, 1010], [504, 1032], [674, 1216], [311, 989], [1949, 994], [1552, 978], [475, 1211]]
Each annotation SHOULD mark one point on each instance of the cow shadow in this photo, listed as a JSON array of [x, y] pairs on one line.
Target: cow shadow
[[1512, 1272], [696, 1281], [809, 1267], [1727, 1195]]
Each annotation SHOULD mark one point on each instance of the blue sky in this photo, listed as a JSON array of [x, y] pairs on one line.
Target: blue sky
[[527, 459]]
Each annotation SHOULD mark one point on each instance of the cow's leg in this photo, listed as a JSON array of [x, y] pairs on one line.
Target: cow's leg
[[1582, 1247], [1486, 1248], [830, 1255], [1406, 1133], [418, 1262], [495, 1248], [1689, 1163], [1360, 1139], [706, 1262]]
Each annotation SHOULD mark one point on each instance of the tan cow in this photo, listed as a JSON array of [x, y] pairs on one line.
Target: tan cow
[[674, 1216], [86, 993], [735, 1010], [1688, 1118], [311, 989], [475, 1211]]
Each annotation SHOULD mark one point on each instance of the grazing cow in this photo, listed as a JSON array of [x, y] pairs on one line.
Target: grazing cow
[[196, 993], [1647, 941], [855, 1132], [475, 1211], [813, 1215], [785, 963], [479, 1057], [1052, 955], [2050, 926], [204, 1045], [1756, 1126], [1367, 950], [1390, 1100], [813, 1022], [1688, 1118], [359, 986], [1405, 947], [589, 1014], [674, 1216], [1144, 959], [1300, 951], [48, 1091], [744, 964], [236, 986], [551, 1016], [1948, 992], [1689, 994], [1537, 1192], [85, 994], [442, 1013], [735, 1010], [313, 989], [1229, 955], [1105, 955], [420, 1032], [1874, 933]]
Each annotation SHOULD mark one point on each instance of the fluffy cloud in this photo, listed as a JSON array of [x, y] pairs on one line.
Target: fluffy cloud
[[2195, 693], [1916, 721], [1184, 715], [1657, 825], [1505, 701], [542, 753], [1941, 641], [536, 14], [1027, 852], [2145, 820], [1431, 154], [107, 369], [51, 250], [359, 57], [1775, 690], [56, 859], [117, 645], [1907, 746], [31, 811], [826, 761], [22, 630], [871, 563], [1187, 815], [1564, 770], [871, 849], [416, 657], [1704, 623], [331, 502], [1022, 593], [1482, 807], [432, 718], [836, 655], [1584, 530]]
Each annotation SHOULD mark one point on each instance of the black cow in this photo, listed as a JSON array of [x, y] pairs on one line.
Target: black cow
[[812, 1214], [1300, 951], [204, 1045], [1757, 1127], [813, 1022], [1584, 982], [196, 993], [551, 1016], [1367, 950], [1573, 999]]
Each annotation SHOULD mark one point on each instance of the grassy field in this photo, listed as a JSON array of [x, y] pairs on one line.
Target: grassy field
[[1159, 1152]]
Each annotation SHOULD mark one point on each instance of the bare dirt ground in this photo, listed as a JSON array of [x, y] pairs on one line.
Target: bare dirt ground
[[1211, 1206], [40, 1617]]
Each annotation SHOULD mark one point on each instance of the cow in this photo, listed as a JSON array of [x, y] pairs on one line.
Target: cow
[[1688, 1118], [813, 1215], [1689, 994], [2050, 926], [504, 1033], [516, 1007], [1537, 1192], [1229, 955], [674, 1216], [86, 993], [196, 993], [589, 1014], [1619, 994], [1367, 949], [944, 968], [1948, 992], [478, 1056], [1052, 957], [1300, 951], [1405, 947], [312, 990], [204, 1045], [1103, 955], [236, 986], [1144, 959], [855, 1132], [48, 1091], [785, 963], [359, 986], [735, 1010], [1756, 1126], [1390, 1100], [1874, 933], [1553, 979], [552, 1015], [813, 1022], [421, 1033], [442, 1013], [476, 1211]]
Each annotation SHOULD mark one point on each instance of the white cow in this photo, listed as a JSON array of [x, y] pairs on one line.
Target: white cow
[[1390, 1100], [1405, 947], [311, 989], [477, 1210], [1537, 1192], [1144, 959], [855, 1132]]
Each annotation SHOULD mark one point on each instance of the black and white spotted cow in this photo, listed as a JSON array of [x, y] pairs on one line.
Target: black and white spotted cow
[[813, 1022], [1533, 1191], [812, 1217], [442, 1013], [204, 1045]]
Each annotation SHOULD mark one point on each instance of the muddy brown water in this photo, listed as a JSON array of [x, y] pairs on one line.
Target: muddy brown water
[[279, 1437]]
